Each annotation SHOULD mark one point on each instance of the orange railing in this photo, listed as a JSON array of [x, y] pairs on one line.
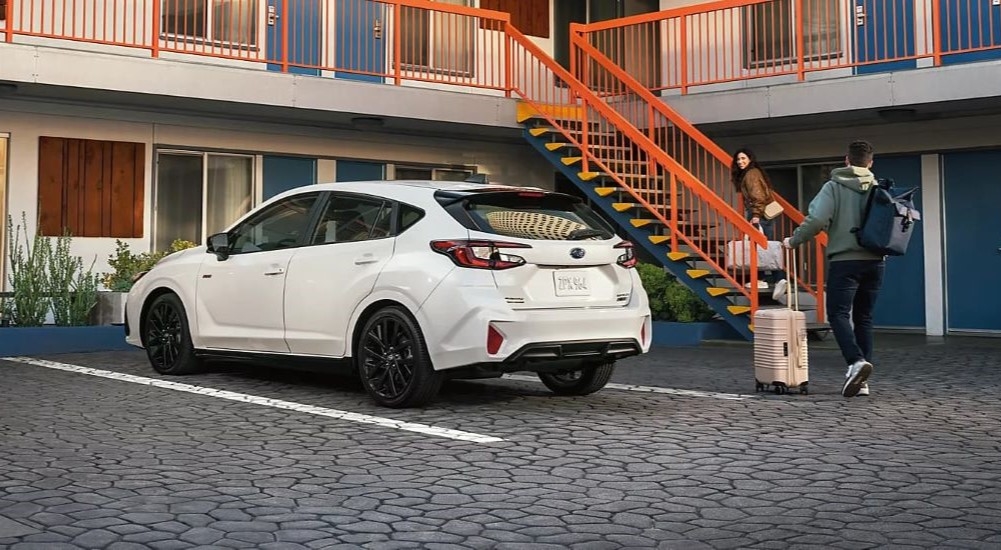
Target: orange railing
[[376, 40], [684, 143], [733, 40], [691, 213]]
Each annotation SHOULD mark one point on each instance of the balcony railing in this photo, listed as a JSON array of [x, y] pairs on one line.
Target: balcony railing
[[736, 40], [374, 40]]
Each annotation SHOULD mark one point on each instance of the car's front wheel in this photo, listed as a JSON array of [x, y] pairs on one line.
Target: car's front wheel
[[393, 362], [166, 337], [579, 382]]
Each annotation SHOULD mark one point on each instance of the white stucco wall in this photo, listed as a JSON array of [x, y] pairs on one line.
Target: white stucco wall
[[505, 162]]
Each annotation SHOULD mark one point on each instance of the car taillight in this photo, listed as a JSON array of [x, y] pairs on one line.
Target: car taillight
[[494, 340], [480, 254], [628, 257]]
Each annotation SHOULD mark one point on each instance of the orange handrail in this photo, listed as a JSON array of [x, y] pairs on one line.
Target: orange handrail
[[566, 90], [736, 40], [648, 100]]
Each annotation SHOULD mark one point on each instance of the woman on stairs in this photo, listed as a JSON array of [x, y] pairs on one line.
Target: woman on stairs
[[751, 181]]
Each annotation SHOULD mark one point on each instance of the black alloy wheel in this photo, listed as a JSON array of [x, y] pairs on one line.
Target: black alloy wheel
[[166, 337], [393, 361]]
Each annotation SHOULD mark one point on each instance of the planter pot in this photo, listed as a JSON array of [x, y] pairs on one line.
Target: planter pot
[[52, 339], [110, 309], [666, 333]]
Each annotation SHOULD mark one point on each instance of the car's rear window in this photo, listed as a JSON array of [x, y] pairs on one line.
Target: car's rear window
[[525, 214]]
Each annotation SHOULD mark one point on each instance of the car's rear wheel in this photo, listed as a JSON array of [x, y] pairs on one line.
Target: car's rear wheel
[[579, 382], [166, 337], [393, 362]]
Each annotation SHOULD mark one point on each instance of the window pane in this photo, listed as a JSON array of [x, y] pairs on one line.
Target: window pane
[[178, 199], [453, 40], [235, 21], [184, 17], [414, 37], [279, 226], [770, 29], [230, 190], [348, 219], [822, 36], [814, 177], [413, 173]]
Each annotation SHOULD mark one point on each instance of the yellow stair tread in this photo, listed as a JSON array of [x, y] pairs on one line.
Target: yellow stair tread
[[717, 291], [623, 206], [539, 131], [567, 112], [657, 239], [676, 256], [605, 191], [738, 310], [571, 160], [640, 222], [556, 144], [697, 273]]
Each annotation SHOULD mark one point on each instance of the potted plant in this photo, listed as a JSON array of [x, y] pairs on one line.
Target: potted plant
[[126, 265]]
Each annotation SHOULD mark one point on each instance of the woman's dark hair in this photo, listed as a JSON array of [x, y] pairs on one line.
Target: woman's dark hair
[[736, 174]]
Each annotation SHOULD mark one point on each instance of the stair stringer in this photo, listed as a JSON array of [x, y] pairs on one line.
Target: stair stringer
[[640, 237]]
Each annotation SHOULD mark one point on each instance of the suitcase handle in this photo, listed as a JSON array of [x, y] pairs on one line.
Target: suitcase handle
[[792, 289]]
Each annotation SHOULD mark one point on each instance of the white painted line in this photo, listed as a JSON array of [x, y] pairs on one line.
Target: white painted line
[[654, 389], [264, 401]]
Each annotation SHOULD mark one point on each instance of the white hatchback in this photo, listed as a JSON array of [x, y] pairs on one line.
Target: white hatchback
[[411, 282]]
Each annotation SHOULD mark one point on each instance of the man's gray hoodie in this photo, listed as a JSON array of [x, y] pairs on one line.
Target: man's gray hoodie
[[838, 208]]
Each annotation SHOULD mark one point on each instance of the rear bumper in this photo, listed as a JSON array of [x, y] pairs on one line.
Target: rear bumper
[[532, 339]]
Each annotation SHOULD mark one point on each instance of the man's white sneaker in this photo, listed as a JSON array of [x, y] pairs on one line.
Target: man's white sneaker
[[780, 290], [863, 390], [858, 373]]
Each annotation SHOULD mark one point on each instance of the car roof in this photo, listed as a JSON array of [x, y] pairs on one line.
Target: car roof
[[409, 189]]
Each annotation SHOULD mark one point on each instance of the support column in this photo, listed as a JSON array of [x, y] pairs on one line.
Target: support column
[[932, 224]]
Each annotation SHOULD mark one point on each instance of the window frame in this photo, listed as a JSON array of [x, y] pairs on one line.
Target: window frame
[[257, 217], [255, 185], [433, 19], [754, 22], [257, 21], [332, 195]]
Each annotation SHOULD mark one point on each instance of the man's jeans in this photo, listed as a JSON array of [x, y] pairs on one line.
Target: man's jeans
[[852, 288]]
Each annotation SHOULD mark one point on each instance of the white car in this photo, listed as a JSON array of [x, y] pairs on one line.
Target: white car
[[413, 282]]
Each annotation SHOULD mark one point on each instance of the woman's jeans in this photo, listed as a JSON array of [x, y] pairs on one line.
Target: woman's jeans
[[852, 288]]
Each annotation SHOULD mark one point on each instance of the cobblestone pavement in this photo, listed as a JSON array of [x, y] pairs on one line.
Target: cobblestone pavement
[[91, 462]]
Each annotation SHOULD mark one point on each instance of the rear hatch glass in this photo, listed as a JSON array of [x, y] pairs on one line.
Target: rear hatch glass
[[571, 255]]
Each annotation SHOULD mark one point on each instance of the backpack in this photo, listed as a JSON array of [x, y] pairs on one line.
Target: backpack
[[887, 220]]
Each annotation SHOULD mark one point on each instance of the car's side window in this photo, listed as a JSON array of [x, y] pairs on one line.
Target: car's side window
[[349, 218], [279, 226]]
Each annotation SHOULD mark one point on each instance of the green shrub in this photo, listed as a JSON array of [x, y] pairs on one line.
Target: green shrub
[[28, 276], [127, 265], [669, 299]]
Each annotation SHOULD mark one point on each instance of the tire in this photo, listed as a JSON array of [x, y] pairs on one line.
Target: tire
[[166, 337], [393, 362], [579, 382]]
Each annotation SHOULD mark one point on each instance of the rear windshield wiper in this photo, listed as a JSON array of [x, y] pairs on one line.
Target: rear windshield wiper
[[581, 234]]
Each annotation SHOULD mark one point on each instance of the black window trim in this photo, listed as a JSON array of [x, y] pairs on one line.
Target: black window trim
[[310, 220], [328, 196]]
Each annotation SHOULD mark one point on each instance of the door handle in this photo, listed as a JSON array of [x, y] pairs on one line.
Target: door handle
[[275, 271], [366, 259]]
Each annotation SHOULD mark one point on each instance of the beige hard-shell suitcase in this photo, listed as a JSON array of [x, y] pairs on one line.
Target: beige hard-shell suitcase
[[780, 350]]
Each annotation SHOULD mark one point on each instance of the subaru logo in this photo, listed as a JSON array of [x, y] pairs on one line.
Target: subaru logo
[[577, 253]]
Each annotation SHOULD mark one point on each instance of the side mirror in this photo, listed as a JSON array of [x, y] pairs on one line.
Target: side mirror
[[218, 244]]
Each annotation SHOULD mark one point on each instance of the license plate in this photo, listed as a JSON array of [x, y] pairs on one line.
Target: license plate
[[571, 283]]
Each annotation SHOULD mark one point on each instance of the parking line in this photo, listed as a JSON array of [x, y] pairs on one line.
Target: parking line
[[654, 389], [264, 401]]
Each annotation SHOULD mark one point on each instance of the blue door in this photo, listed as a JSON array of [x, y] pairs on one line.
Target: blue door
[[352, 170], [969, 24], [284, 173], [901, 302], [359, 43], [886, 33], [304, 36], [972, 240]]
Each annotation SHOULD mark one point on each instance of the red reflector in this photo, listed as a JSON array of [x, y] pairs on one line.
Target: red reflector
[[494, 340], [643, 332], [531, 194]]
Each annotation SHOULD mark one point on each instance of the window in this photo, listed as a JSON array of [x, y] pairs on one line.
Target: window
[[437, 40], [3, 10], [431, 173], [528, 215], [224, 21], [347, 219], [90, 188], [278, 226], [198, 194], [770, 36], [409, 215]]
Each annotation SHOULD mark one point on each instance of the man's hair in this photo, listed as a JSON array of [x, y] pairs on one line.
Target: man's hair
[[860, 153]]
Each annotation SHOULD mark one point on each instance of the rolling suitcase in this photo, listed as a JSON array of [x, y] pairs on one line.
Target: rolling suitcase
[[780, 349]]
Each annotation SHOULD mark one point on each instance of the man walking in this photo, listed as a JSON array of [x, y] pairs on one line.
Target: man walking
[[854, 274]]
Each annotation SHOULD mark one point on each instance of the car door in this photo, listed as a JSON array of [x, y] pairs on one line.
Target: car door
[[327, 279], [240, 299]]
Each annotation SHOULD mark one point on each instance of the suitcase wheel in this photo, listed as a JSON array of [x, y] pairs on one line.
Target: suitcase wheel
[[803, 389], [780, 388], [758, 386]]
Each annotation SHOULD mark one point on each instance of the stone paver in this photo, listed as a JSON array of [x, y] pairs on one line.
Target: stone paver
[[87, 462]]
